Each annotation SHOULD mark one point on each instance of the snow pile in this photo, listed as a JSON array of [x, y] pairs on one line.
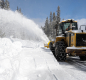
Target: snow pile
[[9, 48], [8, 52], [16, 25], [31, 61], [21, 62]]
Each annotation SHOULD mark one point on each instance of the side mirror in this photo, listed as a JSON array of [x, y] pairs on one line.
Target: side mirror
[[82, 27]]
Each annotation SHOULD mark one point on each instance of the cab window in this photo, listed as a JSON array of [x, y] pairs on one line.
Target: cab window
[[65, 26]]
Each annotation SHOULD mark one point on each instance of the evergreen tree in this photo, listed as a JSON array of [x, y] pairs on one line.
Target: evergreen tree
[[2, 4], [54, 17], [46, 25], [6, 5], [51, 26], [58, 19], [50, 17], [54, 23], [19, 10], [58, 14]]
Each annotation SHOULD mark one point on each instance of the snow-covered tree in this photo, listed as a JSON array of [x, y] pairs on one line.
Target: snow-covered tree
[[58, 14], [4, 4], [58, 19], [46, 26], [19, 10], [51, 27], [54, 17], [50, 17], [7, 5]]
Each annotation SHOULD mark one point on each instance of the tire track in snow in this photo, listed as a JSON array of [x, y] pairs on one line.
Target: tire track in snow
[[75, 68], [77, 63]]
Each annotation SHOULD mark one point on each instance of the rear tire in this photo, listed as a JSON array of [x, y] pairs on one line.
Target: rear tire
[[82, 58], [60, 51]]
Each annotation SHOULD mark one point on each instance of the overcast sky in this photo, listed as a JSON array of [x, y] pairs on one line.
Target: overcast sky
[[38, 10]]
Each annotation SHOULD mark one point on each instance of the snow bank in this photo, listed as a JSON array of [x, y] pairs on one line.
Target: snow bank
[[16, 25], [19, 61], [8, 52], [9, 48]]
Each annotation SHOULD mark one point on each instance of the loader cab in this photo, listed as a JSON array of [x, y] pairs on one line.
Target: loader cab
[[65, 26]]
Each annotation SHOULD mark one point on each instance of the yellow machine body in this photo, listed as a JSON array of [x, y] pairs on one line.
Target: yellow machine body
[[70, 39]]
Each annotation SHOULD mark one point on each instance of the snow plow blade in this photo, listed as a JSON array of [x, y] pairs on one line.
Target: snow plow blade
[[47, 45], [76, 51]]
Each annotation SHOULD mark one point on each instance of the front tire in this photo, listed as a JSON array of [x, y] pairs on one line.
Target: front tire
[[60, 51], [52, 48]]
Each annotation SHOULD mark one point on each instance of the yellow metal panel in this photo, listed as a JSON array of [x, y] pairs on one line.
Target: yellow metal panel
[[67, 40], [59, 39], [75, 40]]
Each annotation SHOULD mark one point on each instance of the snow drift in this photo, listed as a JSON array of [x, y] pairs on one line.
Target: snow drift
[[16, 25], [8, 52]]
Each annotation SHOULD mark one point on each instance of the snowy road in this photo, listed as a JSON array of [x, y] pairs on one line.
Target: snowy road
[[75, 68], [43, 66]]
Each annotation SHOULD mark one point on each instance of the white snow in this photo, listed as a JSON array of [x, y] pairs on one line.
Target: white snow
[[73, 47], [76, 31]]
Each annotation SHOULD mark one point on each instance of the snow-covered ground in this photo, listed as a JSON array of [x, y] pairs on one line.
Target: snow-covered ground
[[29, 60]]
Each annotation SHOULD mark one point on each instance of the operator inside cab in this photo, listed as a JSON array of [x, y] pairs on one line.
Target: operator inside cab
[[68, 28]]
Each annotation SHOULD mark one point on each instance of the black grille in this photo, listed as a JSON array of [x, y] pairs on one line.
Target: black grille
[[80, 39]]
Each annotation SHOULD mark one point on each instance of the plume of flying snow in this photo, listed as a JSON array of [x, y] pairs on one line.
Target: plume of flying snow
[[18, 26]]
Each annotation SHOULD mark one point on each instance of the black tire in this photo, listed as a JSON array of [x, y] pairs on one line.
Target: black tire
[[51, 45], [52, 48], [60, 51], [82, 58]]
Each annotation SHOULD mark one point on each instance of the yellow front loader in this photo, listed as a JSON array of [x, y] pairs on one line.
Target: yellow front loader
[[69, 42]]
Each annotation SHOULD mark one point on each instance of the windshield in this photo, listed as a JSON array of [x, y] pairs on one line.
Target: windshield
[[67, 25]]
